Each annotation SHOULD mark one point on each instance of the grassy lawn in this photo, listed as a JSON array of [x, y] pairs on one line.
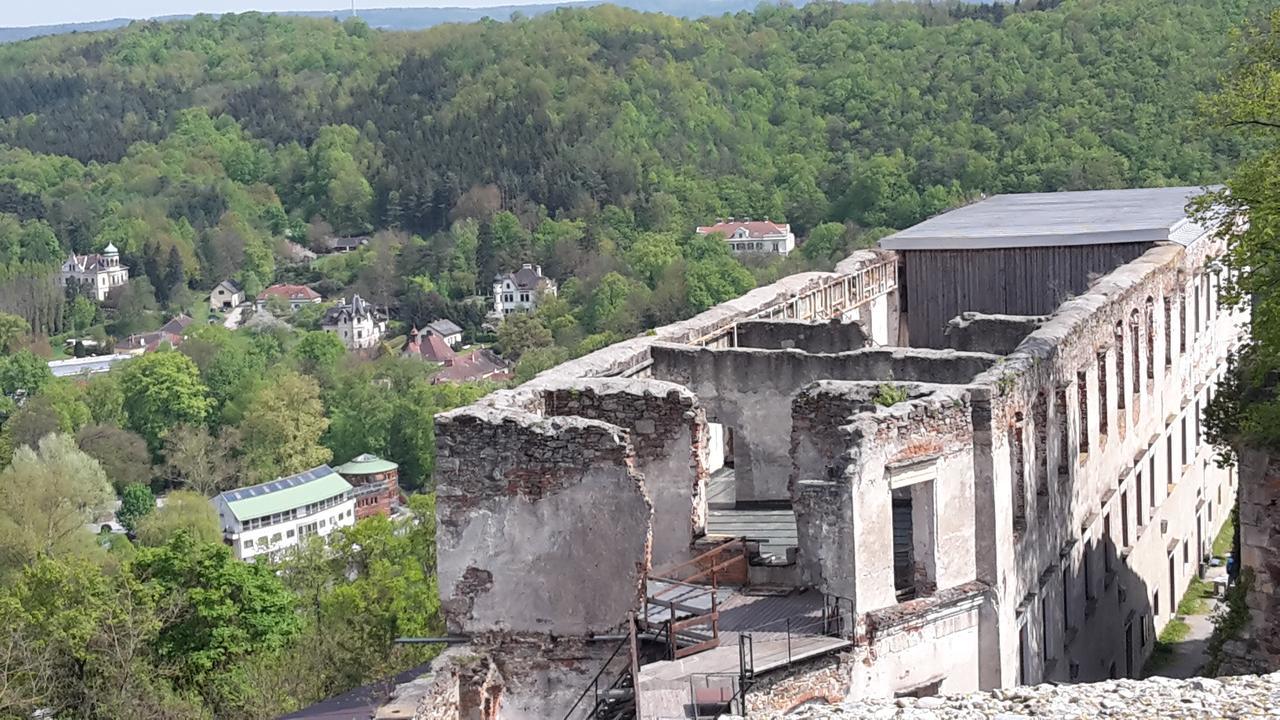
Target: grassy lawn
[[1195, 601], [1175, 632], [1222, 543]]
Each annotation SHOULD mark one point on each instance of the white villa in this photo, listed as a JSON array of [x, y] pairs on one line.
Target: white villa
[[102, 273], [358, 323], [755, 236], [519, 291], [274, 516]]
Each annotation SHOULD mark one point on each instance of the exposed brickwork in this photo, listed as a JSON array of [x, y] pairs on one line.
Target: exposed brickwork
[[823, 679]]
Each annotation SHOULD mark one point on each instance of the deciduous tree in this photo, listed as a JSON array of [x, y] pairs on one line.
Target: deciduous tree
[[282, 428]]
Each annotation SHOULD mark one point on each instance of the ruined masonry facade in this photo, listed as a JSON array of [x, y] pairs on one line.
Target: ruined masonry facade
[[1024, 504]]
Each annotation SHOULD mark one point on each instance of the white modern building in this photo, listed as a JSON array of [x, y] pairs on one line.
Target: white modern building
[[99, 273], [753, 236], [269, 518], [358, 323], [520, 291]]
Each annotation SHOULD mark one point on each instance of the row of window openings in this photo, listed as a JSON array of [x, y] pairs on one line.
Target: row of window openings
[[507, 297], [1040, 410], [293, 514], [1090, 592], [303, 531], [1018, 452]]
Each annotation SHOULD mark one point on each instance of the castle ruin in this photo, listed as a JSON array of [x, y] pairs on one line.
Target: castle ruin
[[971, 459]]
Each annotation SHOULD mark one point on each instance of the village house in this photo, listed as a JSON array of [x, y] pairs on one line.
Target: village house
[[971, 459], [227, 295], [170, 335], [521, 291], [343, 245], [448, 330], [269, 518], [479, 364], [753, 236], [97, 274], [295, 295], [358, 323]]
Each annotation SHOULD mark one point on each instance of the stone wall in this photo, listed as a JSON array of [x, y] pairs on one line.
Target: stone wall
[[844, 519], [744, 389], [667, 431], [543, 524], [999, 334], [821, 679], [1259, 533], [1092, 470], [829, 337]]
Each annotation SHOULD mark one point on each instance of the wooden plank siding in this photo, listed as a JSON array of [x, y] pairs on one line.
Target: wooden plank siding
[[941, 284]]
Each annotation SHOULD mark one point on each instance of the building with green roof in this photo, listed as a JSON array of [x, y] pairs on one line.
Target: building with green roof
[[270, 517], [376, 484]]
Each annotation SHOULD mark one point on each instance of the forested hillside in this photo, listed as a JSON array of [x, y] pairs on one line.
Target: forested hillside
[[606, 134]]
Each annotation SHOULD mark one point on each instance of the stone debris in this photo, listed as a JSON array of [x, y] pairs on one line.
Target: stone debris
[[1246, 696]]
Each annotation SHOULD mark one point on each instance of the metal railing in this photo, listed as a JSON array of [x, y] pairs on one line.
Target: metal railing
[[593, 687]]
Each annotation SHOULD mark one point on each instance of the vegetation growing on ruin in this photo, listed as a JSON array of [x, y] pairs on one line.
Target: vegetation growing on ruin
[[888, 394], [1246, 408]]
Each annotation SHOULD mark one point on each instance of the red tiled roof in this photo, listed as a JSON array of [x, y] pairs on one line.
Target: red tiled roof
[[479, 365], [754, 228], [429, 346], [289, 292]]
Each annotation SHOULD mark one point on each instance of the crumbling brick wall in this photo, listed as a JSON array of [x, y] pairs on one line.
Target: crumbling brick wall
[[543, 524], [824, 679]]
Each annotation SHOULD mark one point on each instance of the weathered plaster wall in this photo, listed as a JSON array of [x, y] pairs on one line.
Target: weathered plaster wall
[[1095, 409], [544, 524], [933, 640], [669, 434], [747, 388], [815, 337], [851, 508], [506, 679], [999, 334]]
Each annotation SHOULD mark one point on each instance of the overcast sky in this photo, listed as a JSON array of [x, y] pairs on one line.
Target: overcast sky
[[17, 13]]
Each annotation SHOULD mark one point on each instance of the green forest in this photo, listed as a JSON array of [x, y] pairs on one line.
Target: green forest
[[589, 141]]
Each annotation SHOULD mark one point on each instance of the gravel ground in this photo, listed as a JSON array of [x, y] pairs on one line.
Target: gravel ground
[[1247, 696]]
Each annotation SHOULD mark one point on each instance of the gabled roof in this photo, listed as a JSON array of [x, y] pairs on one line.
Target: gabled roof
[[429, 345], [230, 285], [445, 327], [1090, 217], [756, 229], [90, 263], [366, 464], [177, 325], [357, 309], [283, 494], [528, 277], [479, 365], [348, 243], [289, 292]]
